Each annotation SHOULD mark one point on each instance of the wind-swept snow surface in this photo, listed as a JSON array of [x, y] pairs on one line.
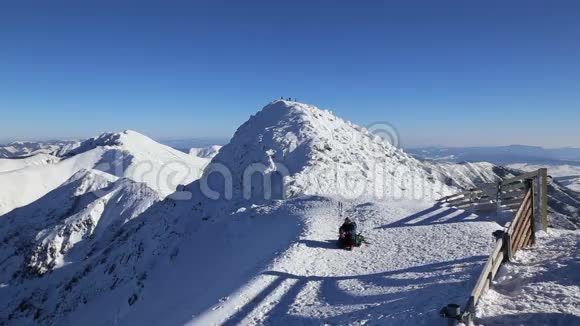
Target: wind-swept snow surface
[[541, 287]]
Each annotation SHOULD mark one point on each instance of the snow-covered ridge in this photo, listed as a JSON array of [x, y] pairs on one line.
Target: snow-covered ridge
[[88, 206], [101, 248], [307, 150], [80, 241], [565, 174], [127, 154], [12, 164], [22, 149], [127, 140], [205, 152], [468, 175]]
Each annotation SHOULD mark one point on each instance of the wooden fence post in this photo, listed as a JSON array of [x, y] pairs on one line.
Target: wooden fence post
[[540, 202], [543, 176], [536, 201]]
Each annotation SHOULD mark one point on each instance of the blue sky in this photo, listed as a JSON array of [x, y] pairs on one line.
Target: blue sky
[[442, 72]]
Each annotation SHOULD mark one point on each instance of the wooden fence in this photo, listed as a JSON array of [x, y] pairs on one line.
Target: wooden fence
[[526, 195]]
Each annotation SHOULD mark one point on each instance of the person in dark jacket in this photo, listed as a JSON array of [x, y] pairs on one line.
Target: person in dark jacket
[[347, 234]]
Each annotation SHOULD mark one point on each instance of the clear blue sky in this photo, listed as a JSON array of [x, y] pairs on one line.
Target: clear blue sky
[[443, 72]]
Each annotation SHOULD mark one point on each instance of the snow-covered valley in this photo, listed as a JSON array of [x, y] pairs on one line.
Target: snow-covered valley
[[122, 230]]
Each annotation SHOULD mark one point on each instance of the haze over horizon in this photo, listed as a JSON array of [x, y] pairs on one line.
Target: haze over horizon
[[448, 73]]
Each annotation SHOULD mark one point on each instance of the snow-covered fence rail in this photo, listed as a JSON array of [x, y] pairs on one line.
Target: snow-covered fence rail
[[527, 195]]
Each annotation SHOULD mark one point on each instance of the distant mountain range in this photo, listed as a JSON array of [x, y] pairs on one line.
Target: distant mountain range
[[501, 155]]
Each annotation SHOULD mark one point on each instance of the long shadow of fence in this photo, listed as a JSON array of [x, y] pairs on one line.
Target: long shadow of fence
[[424, 293], [438, 214]]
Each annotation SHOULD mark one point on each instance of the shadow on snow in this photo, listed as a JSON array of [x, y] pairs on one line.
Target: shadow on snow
[[436, 285], [438, 214]]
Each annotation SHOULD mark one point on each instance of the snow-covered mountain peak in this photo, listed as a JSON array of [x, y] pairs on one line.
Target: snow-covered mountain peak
[[127, 154], [126, 140], [307, 150]]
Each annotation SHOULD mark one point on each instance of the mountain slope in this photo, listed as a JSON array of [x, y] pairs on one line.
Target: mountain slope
[[567, 175], [7, 165], [100, 250], [47, 243], [26, 149], [205, 152], [304, 150], [127, 154], [468, 175], [88, 206]]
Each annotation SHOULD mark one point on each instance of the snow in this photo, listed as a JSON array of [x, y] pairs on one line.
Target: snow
[[88, 205], [313, 152], [278, 264], [468, 175], [25, 149], [7, 165], [397, 277], [541, 287], [94, 238], [127, 154], [205, 152], [568, 175]]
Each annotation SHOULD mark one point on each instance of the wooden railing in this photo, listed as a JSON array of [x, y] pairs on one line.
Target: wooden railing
[[527, 195]]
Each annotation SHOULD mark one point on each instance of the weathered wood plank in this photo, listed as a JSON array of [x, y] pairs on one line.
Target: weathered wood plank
[[523, 206], [458, 201], [512, 194], [496, 265], [527, 175], [508, 202], [485, 208], [521, 232], [514, 186], [482, 281], [464, 193], [525, 238], [544, 209], [512, 207]]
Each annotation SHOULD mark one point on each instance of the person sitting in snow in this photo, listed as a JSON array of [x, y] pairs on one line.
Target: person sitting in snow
[[347, 233]]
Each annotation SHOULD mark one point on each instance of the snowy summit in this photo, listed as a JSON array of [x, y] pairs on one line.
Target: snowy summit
[[311, 151]]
